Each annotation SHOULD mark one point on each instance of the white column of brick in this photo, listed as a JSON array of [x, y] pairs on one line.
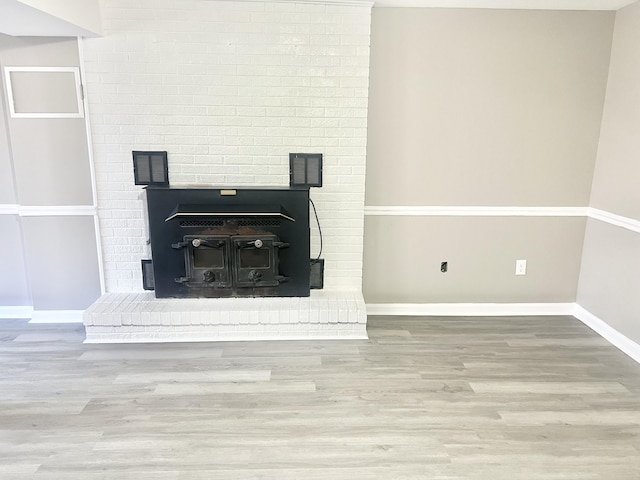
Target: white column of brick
[[229, 89]]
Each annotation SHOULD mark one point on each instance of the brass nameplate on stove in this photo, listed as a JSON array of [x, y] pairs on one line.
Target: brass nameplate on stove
[[228, 192]]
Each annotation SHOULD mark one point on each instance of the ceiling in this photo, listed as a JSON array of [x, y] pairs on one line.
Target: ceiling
[[510, 4], [82, 17]]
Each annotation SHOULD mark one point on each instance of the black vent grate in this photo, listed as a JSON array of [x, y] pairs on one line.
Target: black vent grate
[[201, 223], [268, 222], [316, 273], [148, 280]]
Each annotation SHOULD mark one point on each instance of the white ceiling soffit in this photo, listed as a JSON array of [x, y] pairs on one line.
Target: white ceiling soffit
[[50, 18], [511, 4]]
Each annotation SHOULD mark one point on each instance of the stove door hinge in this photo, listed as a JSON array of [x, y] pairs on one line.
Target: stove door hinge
[[180, 245], [281, 244], [181, 279], [282, 278]]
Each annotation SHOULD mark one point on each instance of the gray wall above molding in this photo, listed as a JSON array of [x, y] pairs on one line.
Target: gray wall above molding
[[616, 183], [485, 107], [7, 188]]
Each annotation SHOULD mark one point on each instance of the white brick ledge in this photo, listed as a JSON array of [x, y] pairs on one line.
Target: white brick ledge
[[140, 317]]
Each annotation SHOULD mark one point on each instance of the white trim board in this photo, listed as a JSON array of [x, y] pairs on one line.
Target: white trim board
[[47, 210], [470, 309], [92, 171], [473, 211], [9, 209], [482, 211], [613, 219], [16, 312], [56, 316], [609, 333], [56, 210]]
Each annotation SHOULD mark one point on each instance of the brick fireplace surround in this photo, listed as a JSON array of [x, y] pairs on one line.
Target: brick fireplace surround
[[229, 89]]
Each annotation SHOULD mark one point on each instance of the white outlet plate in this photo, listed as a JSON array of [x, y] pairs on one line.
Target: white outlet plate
[[521, 267]]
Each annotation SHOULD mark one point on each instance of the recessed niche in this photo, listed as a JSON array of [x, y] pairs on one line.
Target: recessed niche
[[44, 92]]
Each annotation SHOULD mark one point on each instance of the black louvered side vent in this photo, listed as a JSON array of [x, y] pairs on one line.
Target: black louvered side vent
[[148, 280]]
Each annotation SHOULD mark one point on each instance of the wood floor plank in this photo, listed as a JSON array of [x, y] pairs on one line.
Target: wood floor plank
[[535, 398], [218, 375]]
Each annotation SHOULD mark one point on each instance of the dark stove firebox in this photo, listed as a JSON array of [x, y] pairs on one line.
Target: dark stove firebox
[[246, 242]]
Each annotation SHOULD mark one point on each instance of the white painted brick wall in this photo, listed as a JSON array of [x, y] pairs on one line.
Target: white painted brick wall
[[229, 89]]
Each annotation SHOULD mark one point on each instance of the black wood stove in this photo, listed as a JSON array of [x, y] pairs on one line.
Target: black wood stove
[[245, 242]]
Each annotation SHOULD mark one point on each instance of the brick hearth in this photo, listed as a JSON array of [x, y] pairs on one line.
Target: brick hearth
[[140, 317]]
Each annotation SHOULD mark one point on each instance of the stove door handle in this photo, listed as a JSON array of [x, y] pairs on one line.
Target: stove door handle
[[257, 244], [199, 243]]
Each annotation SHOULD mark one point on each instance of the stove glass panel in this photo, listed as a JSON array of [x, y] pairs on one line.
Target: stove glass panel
[[254, 258], [204, 257]]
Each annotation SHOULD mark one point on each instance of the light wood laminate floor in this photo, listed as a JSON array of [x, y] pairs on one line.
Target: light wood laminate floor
[[424, 398]]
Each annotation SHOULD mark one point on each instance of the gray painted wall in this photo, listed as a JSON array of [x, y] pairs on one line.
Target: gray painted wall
[[615, 183], [50, 263], [610, 275], [481, 108], [485, 107], [50, 155], [14, 288], [609, 278], [61, 278], [51, 161], [44, 92], [7, 190], [404, 254]]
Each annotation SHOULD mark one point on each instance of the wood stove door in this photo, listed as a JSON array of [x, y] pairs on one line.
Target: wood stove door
[[256, 261], [207, 261]]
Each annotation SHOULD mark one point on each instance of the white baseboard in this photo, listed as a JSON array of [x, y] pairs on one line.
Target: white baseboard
[[16, 312], [470, 309], [603, 329], [56, 316]]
